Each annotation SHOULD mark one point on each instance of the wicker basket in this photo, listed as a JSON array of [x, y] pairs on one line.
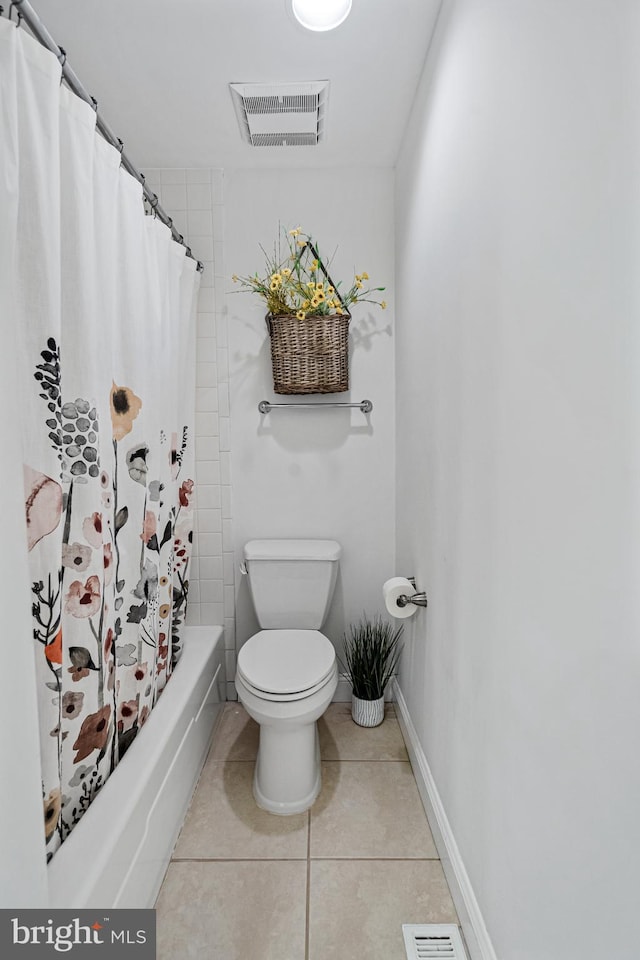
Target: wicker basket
[[309, 356]]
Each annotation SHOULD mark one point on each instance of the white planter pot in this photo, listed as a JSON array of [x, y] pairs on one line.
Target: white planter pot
[[367, 713]]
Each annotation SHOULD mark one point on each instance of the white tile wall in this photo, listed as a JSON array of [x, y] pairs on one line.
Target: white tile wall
[[195, 200]]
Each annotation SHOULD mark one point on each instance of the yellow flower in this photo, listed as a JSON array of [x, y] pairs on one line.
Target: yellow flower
[[301, 288]]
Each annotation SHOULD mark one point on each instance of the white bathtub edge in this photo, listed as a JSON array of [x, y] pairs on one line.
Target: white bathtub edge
[[119, 852]]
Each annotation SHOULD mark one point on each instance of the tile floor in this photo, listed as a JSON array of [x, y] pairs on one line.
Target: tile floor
[[334, 883]]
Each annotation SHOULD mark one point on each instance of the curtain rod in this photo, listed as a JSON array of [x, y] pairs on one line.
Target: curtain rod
[[28, 14]]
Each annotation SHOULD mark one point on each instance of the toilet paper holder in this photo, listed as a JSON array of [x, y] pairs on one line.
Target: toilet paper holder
[[420, 599]]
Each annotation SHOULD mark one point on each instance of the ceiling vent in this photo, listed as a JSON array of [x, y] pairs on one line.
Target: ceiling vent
[[281, 114]]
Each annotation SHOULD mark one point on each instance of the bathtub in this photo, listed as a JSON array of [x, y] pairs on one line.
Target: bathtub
[[118, 853]]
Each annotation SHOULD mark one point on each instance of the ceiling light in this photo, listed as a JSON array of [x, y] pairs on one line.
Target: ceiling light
[[321, 14]]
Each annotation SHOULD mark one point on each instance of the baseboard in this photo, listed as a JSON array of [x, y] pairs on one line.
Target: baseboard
[[471, 920], [343, 690]]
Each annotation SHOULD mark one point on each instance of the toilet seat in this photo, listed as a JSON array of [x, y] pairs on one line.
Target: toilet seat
[[285, 697], [286, 664]]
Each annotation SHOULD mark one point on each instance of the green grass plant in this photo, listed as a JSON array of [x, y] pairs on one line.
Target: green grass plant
[[371, 650]]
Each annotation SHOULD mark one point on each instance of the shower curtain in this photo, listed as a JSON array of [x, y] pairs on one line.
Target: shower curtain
[[102, 303]]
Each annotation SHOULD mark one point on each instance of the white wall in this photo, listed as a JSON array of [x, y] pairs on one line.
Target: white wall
[[518, 243], [327, 474]]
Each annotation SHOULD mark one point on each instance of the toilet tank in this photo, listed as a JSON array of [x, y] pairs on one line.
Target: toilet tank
[[291, 581]]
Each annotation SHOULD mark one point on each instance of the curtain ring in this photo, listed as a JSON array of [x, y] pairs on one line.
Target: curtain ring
[[154, 205], [94, 104], [120, 146]]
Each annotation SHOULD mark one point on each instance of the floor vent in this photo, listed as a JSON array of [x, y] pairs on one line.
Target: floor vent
[[281, 114], [433, 941]]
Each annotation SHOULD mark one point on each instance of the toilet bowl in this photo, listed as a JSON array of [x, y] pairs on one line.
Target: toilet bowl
[[286, 704], [287, 675]]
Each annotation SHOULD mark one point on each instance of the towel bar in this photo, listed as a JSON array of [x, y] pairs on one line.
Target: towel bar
[[265, 406]]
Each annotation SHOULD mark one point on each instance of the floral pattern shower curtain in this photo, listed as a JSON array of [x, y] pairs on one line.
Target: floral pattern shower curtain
[[104, 302]]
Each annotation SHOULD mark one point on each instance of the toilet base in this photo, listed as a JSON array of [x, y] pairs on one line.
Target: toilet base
[[298, 804], [287, 777]]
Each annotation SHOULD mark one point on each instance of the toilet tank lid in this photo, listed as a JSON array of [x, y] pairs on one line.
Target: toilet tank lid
[[292, 550]]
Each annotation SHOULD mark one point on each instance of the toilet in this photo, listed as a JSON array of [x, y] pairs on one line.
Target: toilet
[[287, 673]]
